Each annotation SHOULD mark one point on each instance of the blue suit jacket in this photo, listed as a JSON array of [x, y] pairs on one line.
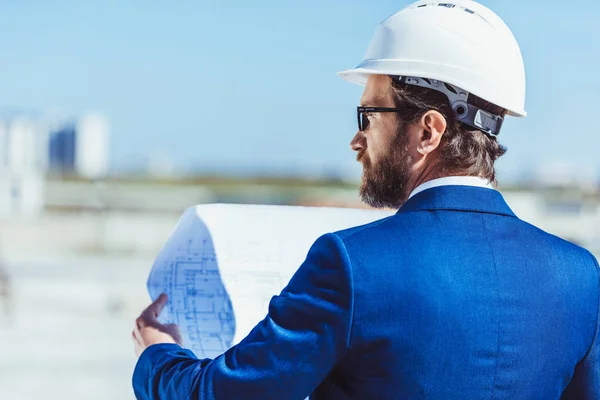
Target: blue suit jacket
[[454, 297]]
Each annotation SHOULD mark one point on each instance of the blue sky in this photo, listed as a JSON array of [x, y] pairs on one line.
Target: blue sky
[[252, 85]]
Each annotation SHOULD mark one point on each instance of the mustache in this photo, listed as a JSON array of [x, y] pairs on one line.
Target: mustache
[[360, 155]]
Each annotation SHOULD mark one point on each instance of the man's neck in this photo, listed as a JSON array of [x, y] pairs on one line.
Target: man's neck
[[429, 173]]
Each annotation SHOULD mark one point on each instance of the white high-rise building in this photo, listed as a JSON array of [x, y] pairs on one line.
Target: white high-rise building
[[21, 173], [22, 148], [91, 146], [3, 147]]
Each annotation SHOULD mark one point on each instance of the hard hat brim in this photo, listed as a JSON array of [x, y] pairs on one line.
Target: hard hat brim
[[360, 75]]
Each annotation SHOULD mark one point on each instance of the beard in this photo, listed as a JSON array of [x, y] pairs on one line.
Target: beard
[[385, 183]]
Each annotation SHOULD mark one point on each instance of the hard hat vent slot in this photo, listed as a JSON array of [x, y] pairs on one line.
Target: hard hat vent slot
[[447, 5], [450, 88]]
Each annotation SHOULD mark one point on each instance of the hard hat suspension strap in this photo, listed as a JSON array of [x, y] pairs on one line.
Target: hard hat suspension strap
[[464, 112]]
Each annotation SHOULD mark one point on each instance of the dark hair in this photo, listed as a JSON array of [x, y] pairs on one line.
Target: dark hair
[[464, 150]]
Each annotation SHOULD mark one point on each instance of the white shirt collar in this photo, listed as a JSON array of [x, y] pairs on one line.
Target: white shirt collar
[[453, 180]]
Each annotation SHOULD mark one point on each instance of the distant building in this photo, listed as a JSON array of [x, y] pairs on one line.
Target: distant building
[[32, 146], [21, 167], [3, 145], [91, 146], [21, 146], [80, 148], [61, 150]]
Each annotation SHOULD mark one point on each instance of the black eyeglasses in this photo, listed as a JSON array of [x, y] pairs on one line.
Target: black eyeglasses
[[363, 119]]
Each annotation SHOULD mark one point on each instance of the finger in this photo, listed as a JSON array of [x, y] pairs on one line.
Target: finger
[[136, 333], [156, 307], [138, 341], [141, 322]]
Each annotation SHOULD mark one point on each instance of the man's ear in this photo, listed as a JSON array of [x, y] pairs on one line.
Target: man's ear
[[433, 126]]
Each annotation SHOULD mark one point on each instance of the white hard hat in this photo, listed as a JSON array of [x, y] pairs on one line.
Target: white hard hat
[[460, 42]]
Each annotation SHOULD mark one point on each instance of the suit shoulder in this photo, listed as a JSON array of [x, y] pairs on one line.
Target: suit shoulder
[[558, 242], [365, 228]]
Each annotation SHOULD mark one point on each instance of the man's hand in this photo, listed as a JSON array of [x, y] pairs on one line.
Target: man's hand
[[149, 331]]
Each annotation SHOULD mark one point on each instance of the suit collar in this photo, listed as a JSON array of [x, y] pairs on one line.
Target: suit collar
[[452, 180], [458, 198]]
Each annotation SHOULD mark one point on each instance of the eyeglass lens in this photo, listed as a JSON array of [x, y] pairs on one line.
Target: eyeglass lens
[[363, 121]]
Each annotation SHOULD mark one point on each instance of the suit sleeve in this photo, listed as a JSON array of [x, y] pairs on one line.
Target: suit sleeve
[[585, 384], [287, 355]]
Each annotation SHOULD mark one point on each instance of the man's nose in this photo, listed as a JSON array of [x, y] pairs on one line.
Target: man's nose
[[358, 142]]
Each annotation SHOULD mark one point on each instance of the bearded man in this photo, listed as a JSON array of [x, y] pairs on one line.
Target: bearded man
[[453, 297]]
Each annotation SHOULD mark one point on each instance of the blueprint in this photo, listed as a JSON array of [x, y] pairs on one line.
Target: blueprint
[[223, 263]]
